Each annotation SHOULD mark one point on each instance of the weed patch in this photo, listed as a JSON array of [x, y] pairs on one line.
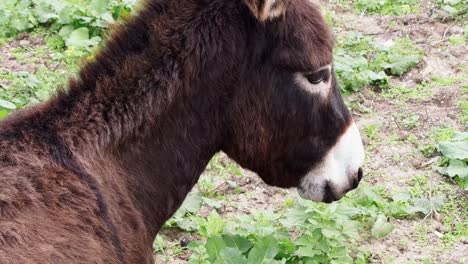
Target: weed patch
[[386, 7], [361, 61], [454, 163], [79, 23], [22, 88], [456, 8], [304, 232]]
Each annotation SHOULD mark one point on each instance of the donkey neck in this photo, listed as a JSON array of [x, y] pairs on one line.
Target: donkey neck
[[164, 166], [140, 107]]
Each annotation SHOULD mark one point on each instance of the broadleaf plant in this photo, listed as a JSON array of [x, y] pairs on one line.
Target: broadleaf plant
[[454, 162]]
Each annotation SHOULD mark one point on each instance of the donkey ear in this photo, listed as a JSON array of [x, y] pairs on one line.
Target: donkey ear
[[265, 10]]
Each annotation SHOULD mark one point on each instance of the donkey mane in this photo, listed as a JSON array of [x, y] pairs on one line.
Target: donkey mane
[[91, 175]]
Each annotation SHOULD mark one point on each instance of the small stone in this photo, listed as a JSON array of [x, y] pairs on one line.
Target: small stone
[[205, 211], [438, 234], [365, 140], [437, 217], [452, 116], [425, 164], [402, 248], [416, 163], [465, 240], [22, 36], [456, 30], [436, 66], [184, 241], [24, 43], [442, 229], [403, 135]]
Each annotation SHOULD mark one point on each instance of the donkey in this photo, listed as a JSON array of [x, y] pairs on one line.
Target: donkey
[[91, 175]]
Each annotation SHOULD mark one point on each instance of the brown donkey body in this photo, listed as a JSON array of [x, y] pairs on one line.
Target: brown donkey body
[[91, 175]]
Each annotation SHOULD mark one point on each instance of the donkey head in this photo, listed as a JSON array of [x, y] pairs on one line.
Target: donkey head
[[287, 120]]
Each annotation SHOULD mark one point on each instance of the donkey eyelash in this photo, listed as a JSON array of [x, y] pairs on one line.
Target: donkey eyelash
[[317, 82], [318, 76]]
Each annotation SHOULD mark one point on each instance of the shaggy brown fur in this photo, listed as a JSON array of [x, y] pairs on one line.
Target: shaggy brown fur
[[92, 175]]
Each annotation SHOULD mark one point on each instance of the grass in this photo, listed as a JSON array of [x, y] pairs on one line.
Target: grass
[[27, 87], [403, 95], [454, 8], [456, 223], [43, 69], [463, 106], [371, 131], [79, 23], [387, 7]]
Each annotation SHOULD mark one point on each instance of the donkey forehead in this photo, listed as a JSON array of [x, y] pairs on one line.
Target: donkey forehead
[[303, 39]]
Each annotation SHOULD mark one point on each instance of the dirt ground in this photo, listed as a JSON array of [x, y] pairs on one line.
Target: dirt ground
[[439, 108]]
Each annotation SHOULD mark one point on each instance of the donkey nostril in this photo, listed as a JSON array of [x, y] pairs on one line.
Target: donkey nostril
[[328, 196], [356, 179]]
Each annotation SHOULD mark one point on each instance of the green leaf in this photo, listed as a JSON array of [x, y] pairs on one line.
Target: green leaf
[[42, 94], [232, 256], [264, 251], [94, 41], [425, 205], [454, 150], [3, 113], [295, 216], [451, 10], [7, 105], [214, 225], [85, 19], [79, 38], [214, 245], [401, 64], [457, 168], [376, 76], [107, 19], [66, 31], [212, 203], [442, 170], [186, 224], [309, 251], [381, 227], [401, 197], [237, 241], [460, 136], [332, 234], [99, 7], [193, 202]]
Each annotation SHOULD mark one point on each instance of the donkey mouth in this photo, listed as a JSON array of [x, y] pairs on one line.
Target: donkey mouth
[[320, 193], [329, 195]]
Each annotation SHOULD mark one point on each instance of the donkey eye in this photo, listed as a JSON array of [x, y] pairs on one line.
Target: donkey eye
[[318, 77]]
